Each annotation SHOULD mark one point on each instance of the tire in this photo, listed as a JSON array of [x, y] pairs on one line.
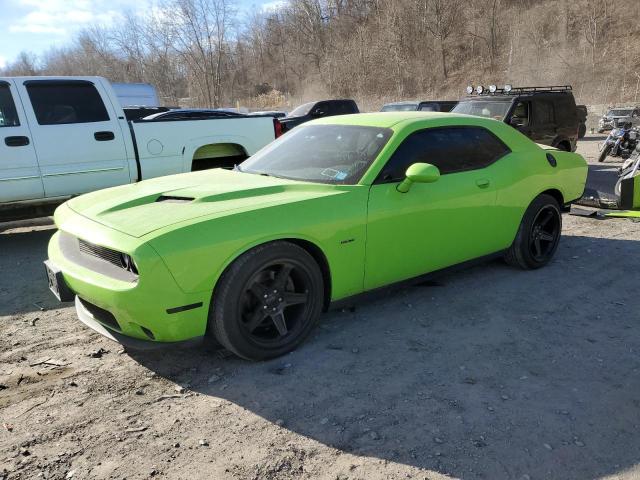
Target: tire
[[267, 301], [618, 187], [604, 153], [538, 235], [582, 130]]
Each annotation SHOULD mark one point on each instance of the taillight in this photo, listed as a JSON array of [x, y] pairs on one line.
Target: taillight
[[277, 127]]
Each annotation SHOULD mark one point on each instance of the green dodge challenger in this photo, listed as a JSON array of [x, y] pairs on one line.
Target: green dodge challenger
[[332, 209]]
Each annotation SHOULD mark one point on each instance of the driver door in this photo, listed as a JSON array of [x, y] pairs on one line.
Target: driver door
[[434, 225]]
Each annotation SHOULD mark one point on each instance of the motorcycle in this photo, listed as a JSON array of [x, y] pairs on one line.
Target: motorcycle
[[621, 142]]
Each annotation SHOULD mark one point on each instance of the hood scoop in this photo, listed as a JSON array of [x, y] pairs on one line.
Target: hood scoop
[[174, 199]]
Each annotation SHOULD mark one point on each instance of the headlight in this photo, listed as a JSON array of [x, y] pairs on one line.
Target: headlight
[[470, 89], [507, 88], [479, 89], [128, 263], [492, 88]]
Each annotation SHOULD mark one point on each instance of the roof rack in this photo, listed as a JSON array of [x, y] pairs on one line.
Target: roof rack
[[522, 90]]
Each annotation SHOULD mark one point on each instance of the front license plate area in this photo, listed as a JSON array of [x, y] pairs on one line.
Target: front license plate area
[[56, 282]]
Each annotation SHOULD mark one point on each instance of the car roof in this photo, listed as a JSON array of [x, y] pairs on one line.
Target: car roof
[[390, 119]]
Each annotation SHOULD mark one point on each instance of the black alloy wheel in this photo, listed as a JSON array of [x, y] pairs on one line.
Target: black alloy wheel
[[275, 303], [267, 301], [538, 236], [545, 233]]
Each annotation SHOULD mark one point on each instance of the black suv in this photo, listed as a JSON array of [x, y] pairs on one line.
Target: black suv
[[312, 110], [546, 115]]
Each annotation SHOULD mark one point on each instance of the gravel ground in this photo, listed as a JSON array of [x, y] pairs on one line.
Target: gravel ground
[[490, 373]]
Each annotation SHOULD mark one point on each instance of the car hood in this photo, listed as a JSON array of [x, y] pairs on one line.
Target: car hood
[[144, 207]]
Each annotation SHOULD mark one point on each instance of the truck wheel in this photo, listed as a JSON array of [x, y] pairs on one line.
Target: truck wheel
[[538, 236], [582, 130], [604, 153], [267, 302]]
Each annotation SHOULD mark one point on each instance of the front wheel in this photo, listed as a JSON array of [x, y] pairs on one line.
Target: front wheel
[[538, 236], [267, 301], [605, 152]]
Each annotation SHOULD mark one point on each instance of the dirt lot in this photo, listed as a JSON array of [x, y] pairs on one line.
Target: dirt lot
[[491, 373]]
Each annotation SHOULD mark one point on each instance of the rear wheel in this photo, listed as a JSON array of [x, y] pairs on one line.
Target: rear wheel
[[538, 236], [604, 153], [267, 301], [582, 130]]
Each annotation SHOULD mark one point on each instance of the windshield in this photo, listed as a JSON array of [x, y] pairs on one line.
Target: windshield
[[302, 110], [337, 154], [495, 110], [399, 107], [619, 113]]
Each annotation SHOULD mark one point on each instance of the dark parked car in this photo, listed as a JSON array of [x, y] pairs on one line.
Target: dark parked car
[[547, 115], [135, 113], [269, 113], [313, 110], [429, 106], [191, 114]]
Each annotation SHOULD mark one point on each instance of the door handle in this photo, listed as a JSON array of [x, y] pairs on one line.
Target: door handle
[[483, 183], [104, 136], [16, 141]]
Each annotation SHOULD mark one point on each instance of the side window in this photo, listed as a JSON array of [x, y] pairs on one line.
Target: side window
[[451, 149], [57, 103], [342, 108], [322, 109], [429, 107], [520, 115], [8, 113], [544, 112]]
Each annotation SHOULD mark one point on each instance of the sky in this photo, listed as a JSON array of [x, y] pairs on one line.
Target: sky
[[37, 25]]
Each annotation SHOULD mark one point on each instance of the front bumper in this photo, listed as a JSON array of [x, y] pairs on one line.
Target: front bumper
[[88, 318], [152, 309]]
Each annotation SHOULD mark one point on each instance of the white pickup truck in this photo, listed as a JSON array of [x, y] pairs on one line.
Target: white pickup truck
[[63, 136]]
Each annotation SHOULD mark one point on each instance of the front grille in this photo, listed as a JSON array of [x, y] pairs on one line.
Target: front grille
[[100, 314], [99, 259], [111, 256]]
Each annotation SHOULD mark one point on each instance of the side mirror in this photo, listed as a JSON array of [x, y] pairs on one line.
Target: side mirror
[[516, 122], [419, 173]]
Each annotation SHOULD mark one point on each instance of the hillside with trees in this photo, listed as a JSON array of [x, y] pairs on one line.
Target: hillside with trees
[[204, 53]]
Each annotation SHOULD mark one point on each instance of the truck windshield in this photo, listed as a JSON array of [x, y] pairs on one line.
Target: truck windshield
[[302, 110], [336, 154], [399, 107], [481, 108]]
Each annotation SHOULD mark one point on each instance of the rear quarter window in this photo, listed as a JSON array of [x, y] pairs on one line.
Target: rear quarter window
[[566, 110]]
